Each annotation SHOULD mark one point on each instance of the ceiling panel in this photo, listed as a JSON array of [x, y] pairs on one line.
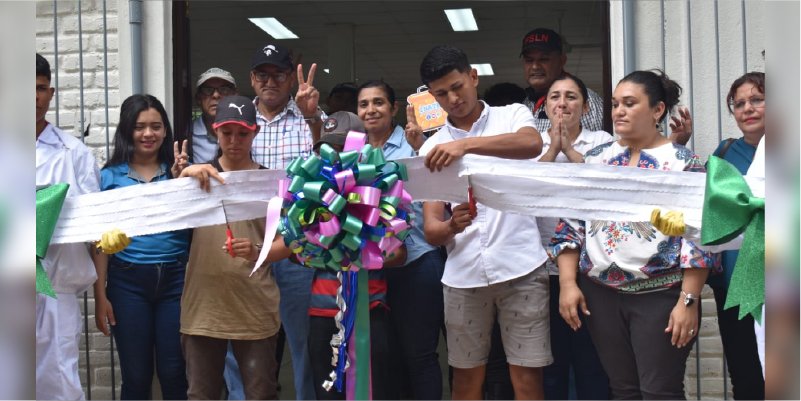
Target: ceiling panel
[[391, 37]]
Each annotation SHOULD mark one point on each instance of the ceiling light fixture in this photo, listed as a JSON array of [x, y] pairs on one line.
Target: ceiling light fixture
[[483, 69], [462, 19], [274, 28]]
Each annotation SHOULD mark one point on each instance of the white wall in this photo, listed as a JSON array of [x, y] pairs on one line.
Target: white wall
[[704, 57]]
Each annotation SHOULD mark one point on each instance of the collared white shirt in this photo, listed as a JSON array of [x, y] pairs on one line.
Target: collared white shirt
[[585, 141], [497, 246], [62, 158], [282, 139]]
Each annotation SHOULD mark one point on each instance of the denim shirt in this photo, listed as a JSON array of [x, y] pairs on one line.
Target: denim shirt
[[146, 249], [397, 147]]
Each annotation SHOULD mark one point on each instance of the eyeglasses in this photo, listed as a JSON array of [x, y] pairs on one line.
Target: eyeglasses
[[222, 90], [279, 77], [755, 102]]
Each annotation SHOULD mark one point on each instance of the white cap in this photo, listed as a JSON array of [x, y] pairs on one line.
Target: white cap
[[215, 72]]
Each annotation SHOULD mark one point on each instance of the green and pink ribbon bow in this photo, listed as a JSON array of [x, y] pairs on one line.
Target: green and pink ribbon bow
[[346, 211]]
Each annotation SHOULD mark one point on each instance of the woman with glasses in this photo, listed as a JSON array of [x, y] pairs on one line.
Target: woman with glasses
[[746, 102], [212, 85]]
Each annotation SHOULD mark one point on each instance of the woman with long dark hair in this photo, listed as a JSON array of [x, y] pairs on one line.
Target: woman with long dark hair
[[139, 295], [642, 287]]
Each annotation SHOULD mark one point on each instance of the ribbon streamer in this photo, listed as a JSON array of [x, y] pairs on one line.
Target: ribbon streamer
[[582, 191]]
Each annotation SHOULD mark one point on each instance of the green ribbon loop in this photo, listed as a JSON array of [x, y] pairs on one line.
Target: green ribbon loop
[[311, 167], [348, 158], [367, 172], [328, 154], [730, 209], [387, 181], [296, 184], [314, 190], [337, 204], [48, 206], [352, 225]]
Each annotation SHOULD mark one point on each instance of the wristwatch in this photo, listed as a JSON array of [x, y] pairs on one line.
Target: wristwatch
[[689, 299]]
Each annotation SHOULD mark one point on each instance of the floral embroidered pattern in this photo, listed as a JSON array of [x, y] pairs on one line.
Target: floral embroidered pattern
[[621, 159], [667, 255], [618, 232], [598, 149], [647, 161], [615, 276], [682, 153]]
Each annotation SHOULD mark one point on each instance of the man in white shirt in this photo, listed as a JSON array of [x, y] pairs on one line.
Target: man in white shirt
[[61, 158], [495, 260]]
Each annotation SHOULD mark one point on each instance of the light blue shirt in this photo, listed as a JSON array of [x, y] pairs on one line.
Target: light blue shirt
[[396, 147], [146, 249], [204, 145]]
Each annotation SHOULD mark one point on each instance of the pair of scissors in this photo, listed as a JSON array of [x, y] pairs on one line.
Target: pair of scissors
[[229, 236]]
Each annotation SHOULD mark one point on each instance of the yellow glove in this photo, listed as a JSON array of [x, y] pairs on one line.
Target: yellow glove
[[672, 223], [113, 241]]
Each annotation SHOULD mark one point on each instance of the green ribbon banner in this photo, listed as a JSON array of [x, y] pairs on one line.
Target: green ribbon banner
[[362, 333], [730, 209], [48, 206]]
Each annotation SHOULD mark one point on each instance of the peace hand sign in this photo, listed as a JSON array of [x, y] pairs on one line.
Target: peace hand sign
[[307, 97], [414, 134], [181, 159]]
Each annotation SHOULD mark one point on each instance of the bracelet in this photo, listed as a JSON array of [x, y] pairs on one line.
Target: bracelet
[[315, 118]]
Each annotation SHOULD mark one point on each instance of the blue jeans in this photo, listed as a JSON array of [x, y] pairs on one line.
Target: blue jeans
[[414, 294], [294, 283], [233, 379], [146, 300]]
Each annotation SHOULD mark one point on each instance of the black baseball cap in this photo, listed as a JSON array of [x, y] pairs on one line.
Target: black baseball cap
[[337, 126], [274, 54], [236, 110], [541, 39]]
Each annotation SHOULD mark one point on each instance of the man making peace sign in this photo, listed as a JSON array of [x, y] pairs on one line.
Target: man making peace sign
[[288, 129]]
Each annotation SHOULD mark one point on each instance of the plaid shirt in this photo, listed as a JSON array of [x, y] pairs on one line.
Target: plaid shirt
[[283, 139], [593, 120]]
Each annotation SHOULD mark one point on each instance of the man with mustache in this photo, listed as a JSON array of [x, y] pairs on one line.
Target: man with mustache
[[544, 60], [289, 127]]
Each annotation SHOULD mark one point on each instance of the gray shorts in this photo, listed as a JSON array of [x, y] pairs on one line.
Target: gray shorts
[[521, 305]]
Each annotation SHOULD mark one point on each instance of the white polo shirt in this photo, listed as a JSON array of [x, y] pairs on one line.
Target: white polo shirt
[[498, 246]]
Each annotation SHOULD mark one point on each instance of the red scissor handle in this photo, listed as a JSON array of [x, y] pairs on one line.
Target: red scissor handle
[[229, 241], [471, 201]]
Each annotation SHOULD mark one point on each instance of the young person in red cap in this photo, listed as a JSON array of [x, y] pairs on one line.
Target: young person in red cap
[[219, 295]]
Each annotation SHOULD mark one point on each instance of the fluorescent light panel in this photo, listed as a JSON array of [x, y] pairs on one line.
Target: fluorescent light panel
[[462, 19], [274, 28], [483, 69]]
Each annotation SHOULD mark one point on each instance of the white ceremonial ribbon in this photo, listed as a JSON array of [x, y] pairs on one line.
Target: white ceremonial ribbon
[[581, 191]]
